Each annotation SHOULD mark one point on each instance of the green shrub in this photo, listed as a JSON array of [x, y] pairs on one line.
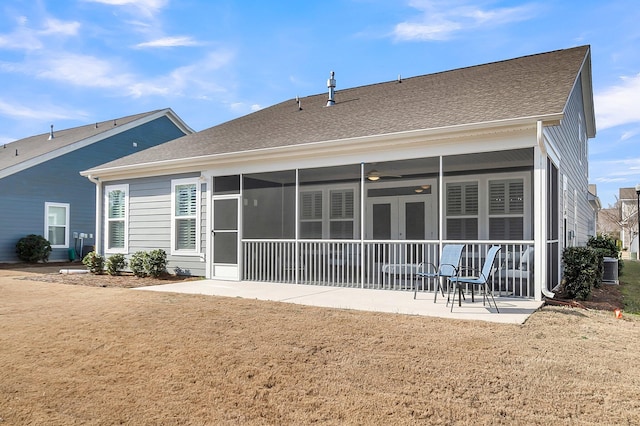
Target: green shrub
[[608, 247], [157, 263], [139, 263], [33, 248], [582, 270], [94, 262], [116, 263]]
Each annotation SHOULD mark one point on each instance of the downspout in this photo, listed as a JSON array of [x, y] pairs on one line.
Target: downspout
[[98, 231], [541, 229]]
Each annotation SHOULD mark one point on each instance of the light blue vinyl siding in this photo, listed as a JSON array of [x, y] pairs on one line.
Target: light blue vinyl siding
[[23, 194], [150, 222], [574, 165]]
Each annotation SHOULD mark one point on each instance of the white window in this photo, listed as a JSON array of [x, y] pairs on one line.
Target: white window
[[462, 211], [185, 208], [56, 225], [328, 213], [117, 223], [506, 209]]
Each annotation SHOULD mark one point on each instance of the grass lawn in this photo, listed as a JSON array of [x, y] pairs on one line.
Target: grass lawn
[[630, 286], [74, 355]]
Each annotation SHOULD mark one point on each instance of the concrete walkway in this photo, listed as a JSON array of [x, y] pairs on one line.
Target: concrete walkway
[[512, 310]]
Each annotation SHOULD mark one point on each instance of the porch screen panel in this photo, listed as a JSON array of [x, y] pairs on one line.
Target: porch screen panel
[[462, 211], [382, 221], [186, 205]]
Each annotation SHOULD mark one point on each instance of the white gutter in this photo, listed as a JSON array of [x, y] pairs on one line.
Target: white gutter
[[98, 231]]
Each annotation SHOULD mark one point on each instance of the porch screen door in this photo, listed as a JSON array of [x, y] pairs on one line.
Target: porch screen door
[[225, 237]]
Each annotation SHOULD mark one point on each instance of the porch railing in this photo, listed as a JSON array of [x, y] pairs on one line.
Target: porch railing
[[384, 264]]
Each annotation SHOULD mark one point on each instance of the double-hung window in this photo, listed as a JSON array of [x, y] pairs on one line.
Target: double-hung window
[[116, 225], [185, 201], [462, 211], [506, 209], [328, 213], [56, 225]]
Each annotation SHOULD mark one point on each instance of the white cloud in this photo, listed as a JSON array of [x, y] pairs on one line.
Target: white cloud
[[440, 20], [196, 80], [148, 8], [83, 70], [55, 26], [25, 38], [618, 104], [169, 42], [20, 111]]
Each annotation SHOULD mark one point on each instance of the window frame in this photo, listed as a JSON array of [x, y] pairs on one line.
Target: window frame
[[326, 220], [67, 208], [174, 218], [107, 190], [483, 215]]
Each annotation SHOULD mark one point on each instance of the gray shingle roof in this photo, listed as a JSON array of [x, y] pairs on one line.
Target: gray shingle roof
[[529, 86], [38, 145]]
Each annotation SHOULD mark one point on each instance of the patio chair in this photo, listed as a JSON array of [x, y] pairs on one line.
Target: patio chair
[[480, 280], [447, 268]]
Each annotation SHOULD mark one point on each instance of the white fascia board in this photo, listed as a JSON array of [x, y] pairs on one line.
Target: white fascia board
[[32, 162], [342, 147]]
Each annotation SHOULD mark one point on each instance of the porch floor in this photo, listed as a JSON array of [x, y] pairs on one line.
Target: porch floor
[[512, 310]]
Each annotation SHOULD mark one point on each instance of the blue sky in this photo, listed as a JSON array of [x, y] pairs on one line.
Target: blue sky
[[75, 62]]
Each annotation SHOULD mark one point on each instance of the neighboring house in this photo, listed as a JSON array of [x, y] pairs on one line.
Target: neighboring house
[[42, 192], [596, 206], [358, 187], [628, 218]]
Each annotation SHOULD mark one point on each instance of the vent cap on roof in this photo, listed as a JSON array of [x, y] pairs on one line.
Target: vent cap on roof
[[51, 136], [331, 84]]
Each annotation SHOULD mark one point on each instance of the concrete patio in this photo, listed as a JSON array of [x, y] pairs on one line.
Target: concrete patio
[[512, 310]]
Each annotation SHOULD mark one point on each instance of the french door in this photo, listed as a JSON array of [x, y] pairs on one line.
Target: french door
[[401, 218]]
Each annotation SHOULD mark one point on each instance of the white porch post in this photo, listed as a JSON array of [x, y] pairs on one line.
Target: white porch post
[[540, 200], [440, 206], [362, 228], [296, 247]]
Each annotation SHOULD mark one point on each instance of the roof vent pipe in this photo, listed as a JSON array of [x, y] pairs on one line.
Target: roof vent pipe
[[331, 84], [51, 133]]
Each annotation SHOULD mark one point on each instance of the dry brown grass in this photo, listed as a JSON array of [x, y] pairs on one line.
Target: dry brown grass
[[86, 355]]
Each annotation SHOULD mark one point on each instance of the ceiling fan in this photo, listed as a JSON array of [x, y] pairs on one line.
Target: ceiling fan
[[374, 175]]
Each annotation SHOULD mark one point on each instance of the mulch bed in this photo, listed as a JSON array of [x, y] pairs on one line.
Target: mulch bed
[[608, 297]]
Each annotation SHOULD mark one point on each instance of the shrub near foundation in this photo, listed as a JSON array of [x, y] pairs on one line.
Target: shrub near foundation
[[33, 248], [115, 264], [152, 263], [582, 271], [94, 262]]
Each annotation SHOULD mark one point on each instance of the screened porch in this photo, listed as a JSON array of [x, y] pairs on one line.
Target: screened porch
[[375, 225]]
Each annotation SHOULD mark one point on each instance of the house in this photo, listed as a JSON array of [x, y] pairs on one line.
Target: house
[[629, 218], [358, 187], [42, 192]]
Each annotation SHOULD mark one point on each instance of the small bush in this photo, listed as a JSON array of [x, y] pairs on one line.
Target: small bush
[[116, 263], [94, 262], [152, 263], [33, 248], [157, 263], [139, 263], [608, 247], [582, 269]]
